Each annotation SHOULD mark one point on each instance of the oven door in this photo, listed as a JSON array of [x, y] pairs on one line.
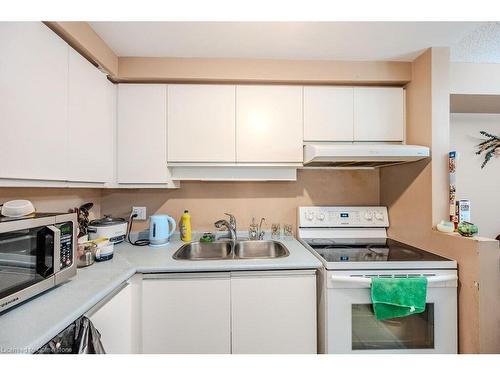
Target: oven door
[[352, 327], [29, 258]]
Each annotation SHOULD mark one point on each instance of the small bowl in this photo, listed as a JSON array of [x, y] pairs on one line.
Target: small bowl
[[17, 208]]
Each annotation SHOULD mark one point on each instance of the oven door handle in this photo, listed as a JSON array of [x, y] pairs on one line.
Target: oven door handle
[[367, 281]]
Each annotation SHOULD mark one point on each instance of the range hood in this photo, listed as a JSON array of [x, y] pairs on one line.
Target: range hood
[[361, 155]]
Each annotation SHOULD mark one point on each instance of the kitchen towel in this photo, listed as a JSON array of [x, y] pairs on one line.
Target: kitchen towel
[[398, 297]]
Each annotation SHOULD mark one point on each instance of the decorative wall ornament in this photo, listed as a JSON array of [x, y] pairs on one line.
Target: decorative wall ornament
[[490, 147], [452, 169]]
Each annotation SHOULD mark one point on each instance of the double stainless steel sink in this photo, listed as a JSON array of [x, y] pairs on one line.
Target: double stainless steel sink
[[226, 250]]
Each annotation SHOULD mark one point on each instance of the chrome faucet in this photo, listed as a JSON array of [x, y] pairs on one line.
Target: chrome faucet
[[261, 232], [255, 231], [230, 226]]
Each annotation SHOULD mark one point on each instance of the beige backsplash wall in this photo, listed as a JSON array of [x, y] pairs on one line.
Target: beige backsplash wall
[[207, 201], [276, 201], [54, 199]]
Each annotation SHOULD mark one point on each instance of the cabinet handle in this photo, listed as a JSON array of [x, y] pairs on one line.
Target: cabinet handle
[[366, 281]]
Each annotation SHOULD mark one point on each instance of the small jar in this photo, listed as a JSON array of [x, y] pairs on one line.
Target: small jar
[[85, 254]]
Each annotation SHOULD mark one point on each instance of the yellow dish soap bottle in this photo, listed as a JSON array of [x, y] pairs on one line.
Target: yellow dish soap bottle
[[185, 227]]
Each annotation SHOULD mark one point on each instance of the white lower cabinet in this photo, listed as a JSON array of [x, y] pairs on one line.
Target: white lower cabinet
[[114, 319], [273, 312], [252, 312], [229, 312], [186, 313]]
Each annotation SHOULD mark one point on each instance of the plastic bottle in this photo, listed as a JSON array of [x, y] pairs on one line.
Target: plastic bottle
[[185, 227]]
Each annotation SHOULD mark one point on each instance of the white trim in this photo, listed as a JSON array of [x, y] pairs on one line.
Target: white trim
[[177, 164], [474, 79], [234, 173], [331, 153]]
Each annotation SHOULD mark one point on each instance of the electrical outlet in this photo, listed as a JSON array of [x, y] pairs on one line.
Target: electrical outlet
[[140, 211]]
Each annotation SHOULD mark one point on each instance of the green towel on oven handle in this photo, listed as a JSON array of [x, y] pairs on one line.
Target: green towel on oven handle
[[399, 296]]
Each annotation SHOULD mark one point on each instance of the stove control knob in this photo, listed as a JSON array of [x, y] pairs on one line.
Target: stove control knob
[[320, 216], [379, 216], [368, 215], [309, 215]]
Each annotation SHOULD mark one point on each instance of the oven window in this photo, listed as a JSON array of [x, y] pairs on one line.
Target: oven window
[[26, 258], [410, 332]]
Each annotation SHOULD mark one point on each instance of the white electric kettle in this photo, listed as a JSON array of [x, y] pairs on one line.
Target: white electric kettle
[[159, 229]]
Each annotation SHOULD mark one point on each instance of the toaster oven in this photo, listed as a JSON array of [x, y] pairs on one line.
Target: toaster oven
[[37, 252]]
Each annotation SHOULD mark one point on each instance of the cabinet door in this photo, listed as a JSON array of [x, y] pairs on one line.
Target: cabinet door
[[379, 114], [269, 124], [142, 133], [273, 312], [186, 313], [201, 123], [33, 105], [114, 322], [90, 126], [328, 114]]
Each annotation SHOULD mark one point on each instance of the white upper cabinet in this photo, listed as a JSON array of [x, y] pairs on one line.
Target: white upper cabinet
[[346, 114], [328, 114], [142, 134], [269, 124], [201, 123], [33, 108], [63, 123], [379, 114], [90, 122]]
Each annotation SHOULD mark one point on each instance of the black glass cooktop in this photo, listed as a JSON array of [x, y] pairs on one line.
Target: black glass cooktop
[[381, 251]]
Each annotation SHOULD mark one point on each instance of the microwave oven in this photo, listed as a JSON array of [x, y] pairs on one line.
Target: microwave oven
[[37, 252]]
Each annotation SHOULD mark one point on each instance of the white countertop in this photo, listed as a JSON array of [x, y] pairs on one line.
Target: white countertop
[[27, 327]]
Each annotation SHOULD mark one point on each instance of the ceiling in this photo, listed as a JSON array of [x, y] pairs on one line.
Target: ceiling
[[481, 45], [397, 41]]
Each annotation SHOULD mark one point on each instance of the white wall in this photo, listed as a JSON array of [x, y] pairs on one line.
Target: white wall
[[481, 186], [474, 79]]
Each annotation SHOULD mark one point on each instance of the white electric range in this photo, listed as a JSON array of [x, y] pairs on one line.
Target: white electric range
[[352, 244]]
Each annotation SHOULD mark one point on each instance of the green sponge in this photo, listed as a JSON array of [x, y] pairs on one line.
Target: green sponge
[[207, 237]]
